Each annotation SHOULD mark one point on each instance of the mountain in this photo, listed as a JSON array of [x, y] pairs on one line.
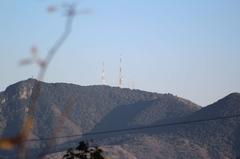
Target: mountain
[[86, 107], [221, 137], [67, 109], [199, 140], [229, 105], [165, 107]]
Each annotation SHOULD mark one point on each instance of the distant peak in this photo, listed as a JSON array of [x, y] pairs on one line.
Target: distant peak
[[28, 82], [234, 94], [229, 99], [31, 79]]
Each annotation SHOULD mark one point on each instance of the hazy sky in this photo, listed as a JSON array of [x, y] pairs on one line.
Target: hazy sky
[[190, 48]]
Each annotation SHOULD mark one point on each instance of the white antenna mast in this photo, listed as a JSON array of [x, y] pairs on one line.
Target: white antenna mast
[[103, 74], [120, 82]]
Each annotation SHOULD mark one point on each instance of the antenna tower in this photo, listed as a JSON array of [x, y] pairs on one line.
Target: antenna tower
[[120, 82], [103, 74]]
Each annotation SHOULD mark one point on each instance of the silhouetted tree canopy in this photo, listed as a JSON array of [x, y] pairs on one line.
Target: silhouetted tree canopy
[[84, 151]]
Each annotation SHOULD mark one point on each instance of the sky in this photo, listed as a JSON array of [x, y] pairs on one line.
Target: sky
[[189, 48]]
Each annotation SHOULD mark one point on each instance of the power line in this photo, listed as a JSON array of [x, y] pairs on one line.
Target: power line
[[136, 128]]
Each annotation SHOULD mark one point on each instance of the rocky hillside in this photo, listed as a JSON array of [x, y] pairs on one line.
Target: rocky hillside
[[199, 140], [83, 108], [71, 109], [220, 137]]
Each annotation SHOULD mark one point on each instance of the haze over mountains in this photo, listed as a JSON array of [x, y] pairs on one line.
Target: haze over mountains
[[100, 108]]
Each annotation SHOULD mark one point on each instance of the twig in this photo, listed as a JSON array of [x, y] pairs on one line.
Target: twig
[[28, 123]]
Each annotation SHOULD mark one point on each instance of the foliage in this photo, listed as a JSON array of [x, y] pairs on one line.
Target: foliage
[[84, 151]]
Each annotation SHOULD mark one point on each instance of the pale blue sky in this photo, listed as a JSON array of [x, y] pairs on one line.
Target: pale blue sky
[[190, 48]]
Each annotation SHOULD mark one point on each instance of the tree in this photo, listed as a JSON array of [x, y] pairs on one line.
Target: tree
[[84, 151]]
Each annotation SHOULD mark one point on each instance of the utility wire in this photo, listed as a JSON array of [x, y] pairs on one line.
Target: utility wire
[[136, 128]]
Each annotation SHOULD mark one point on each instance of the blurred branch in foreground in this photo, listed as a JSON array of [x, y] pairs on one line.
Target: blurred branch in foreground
[[10, 143]]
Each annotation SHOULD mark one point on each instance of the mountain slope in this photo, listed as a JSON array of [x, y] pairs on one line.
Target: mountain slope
[[220, 135], [202, 140], [144, 113], [71, 109], [82, 107]]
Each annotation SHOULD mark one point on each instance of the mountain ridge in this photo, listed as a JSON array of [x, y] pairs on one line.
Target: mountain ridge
[[100, 107], [95, 101]]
